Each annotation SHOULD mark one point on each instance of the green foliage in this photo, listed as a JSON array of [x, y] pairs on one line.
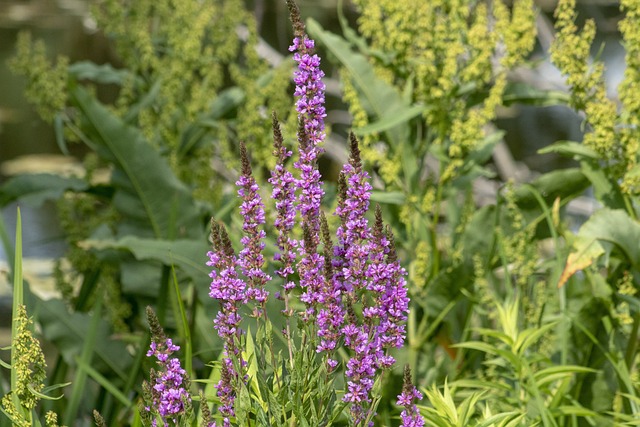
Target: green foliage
[[179, 102], [520, 316], [28, 365]]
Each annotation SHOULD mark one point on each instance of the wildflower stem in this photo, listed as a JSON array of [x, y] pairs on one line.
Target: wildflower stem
[[18, 298], [288, 328], [633, 341], [434, 233]]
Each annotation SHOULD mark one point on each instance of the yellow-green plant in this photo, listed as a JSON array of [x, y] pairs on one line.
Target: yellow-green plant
[[28, 365], [612, 133]]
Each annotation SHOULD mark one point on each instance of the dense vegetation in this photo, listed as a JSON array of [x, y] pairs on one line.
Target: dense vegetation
[[514, 316]]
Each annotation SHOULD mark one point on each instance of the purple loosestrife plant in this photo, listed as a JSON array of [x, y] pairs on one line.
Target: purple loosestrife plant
[[410, 416], [311, 113], [350, 295], [232, 293], [167, 396]]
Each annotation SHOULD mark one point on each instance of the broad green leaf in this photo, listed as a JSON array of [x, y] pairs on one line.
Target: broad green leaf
[[606, 225], [500, 420], [571, 149], [35, 189], [242, 405], [564, 183], [225, 102], [483, 385], [58, 129], [605, 188], [490, 349], [188, 255], [141, 173], [574, 410]]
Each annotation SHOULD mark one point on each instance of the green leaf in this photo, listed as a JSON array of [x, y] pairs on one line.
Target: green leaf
[[86, 356], [58, 128], [35, 189], [391, 120], [523, 93], [388, 197], [530, 336], [180, 315], [105, 73], [141, 174], [555, 373], [565, 183], [573, 149], [605, 188], [606, 225], [188, 255], [250, 356]]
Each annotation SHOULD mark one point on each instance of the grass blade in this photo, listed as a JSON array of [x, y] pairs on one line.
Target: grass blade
[[85, 361], [18, 300]]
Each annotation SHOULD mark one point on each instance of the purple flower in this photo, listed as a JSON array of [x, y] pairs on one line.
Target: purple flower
[[168, 393], [231, 292], [353, 234], [311, 114], [410, 415], [284, 194], [250, 257]]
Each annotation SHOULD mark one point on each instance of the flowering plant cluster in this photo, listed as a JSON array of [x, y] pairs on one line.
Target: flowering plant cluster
[[344, 304], [166, 395], [350, 294]]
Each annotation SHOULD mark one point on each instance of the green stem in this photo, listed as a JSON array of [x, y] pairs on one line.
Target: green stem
[[630, 354], [434, 236], [18, 300]]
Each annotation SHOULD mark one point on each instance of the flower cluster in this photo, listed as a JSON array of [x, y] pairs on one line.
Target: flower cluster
[[354, 292], [284, 194], [231, 292], [367, 271], [169, 394], [250, 257], [168, 391], [410, 416]]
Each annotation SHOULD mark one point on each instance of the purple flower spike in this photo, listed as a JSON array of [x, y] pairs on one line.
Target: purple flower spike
[[284, 194], [311, 113], [410, 415], [168, 391], [231, 292], [250, 258], [331, 314], [354, 232]]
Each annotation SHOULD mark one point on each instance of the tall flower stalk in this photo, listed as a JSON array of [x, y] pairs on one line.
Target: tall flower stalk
[[351, 293], [167, 392]]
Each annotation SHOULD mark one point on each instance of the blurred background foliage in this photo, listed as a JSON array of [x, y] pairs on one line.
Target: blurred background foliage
[[152, 98]]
